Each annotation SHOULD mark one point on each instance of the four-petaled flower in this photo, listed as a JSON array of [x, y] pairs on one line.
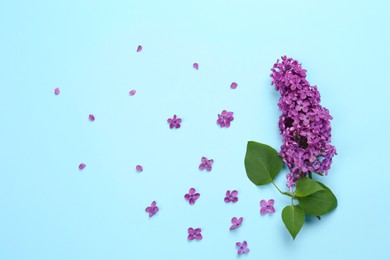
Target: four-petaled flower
[[152, 209], [236, 222], [242, 247], [174, 122], [191, 196], [194, 234], [206, 164], [267, 207], [231, 196], [225, 118]]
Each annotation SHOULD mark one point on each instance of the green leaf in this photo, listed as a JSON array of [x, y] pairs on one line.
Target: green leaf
[[293, 217], [262, 163], [320, 202], [306, 186]]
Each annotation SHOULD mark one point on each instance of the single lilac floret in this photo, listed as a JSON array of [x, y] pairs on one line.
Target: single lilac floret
[[195, 66], [82, 166], [242, 247], [57, 91], [132, 92], [206, 164], [236, 223], [174, 122], [153, 209], [267, 207], [192, 196], [225, 118], [91, 117], [139, 168], [194, 234], [231, 196]]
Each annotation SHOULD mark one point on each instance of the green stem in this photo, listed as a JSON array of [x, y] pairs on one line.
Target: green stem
[[285, 193], [310, 176]]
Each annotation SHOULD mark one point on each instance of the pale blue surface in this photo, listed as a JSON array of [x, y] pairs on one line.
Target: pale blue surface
[[51, 210]]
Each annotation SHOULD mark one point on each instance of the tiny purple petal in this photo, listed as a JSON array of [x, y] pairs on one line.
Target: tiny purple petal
[[195, 66], [139, 48], [57, 91], [91, 117], [263, 203], [192, 191], [233, 85], [82, 166], [139, 168], [132, 92]]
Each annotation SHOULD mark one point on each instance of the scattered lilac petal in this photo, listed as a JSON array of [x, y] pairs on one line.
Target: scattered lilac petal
[[231, 196], [82, 166], [132, 92], [191, 196], [174, 122], [242, 247], [139, 48], [206, 164], [57, 91], [139, 168], [196, 66], [225, 118], [91, 117], [233, 85], [152, 209], [236, 222], [194, 234], [267, 207]]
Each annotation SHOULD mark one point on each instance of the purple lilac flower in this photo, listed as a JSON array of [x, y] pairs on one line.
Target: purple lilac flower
[[267, 207], [194, 234], [82, 166], [132, 92], [231, 196], [152, 209], [304, 124], [242, 247], [206, 164], [139, 168], [57, 91], [236, 223], [233, 85], [174, 122], [91, 117], [225, 118], [191, 196], [195, 66]]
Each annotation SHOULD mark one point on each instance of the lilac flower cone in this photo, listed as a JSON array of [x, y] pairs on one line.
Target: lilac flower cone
[[304, 123]]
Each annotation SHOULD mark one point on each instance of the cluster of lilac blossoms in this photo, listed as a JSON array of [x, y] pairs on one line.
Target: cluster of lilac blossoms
[[304, 123]]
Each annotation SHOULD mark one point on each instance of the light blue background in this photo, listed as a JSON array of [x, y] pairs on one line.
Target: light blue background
[[51, 210]]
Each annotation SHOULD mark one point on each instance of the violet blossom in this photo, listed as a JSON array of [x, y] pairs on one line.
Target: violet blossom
[[236, 223], [206, 164], [153, 209], [57, 91], [192, 196], [174, 122], [139, 168], [267, 207], [194, 234], [231, 196], [304, 124], [91, 117], [242, 247], [225, 118]]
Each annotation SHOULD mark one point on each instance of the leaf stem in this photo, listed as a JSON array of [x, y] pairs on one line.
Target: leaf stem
[[282, 192]]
